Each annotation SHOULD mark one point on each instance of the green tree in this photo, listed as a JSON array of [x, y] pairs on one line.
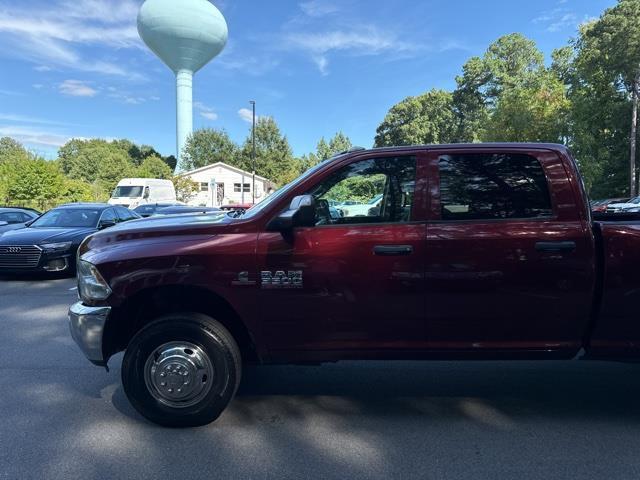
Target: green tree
[[339, 143], [511, 61], [609, 53], [11, 149], [511, 66], [428, 118], [469, 102], [274, 157], [81, 159], [35, 182], [76, 191], [530, 113], [114, 166], [599, 128], [324, 150], [185, 188], [208, 146], [154, 167]]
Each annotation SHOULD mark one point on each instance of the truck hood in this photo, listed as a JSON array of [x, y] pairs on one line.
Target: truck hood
[[171, 223], [37, 236], [161, 229]]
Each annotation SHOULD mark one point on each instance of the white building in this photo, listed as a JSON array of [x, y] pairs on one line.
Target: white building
[[221, 184]]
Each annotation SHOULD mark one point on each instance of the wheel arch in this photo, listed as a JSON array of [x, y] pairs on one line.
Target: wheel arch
[[150, 303]]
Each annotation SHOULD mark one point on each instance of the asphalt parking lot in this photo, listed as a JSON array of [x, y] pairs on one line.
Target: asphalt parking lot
[[64, 418]]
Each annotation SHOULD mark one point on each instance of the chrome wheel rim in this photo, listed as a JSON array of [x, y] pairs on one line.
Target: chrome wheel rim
[[178, 374]]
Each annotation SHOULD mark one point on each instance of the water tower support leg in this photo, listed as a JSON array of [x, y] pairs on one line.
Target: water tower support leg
[[184, 116]]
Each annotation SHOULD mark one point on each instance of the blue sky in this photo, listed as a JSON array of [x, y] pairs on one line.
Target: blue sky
[[76, 68]]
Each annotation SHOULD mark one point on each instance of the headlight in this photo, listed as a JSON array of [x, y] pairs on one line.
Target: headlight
[[91, 285], [55, 247]]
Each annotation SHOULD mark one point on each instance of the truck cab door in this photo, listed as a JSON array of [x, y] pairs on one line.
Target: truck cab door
[[355, 280], [510, 258]]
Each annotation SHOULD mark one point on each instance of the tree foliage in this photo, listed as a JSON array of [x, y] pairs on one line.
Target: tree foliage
[[607, 61], [185, 188], [428, 118], [208, 146], [274, 157]]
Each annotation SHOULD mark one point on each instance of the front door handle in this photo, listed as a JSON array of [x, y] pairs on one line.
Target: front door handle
[[389, 250], [556, 247]]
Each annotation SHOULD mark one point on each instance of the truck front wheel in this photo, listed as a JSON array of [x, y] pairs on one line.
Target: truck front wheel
[[181, 370]]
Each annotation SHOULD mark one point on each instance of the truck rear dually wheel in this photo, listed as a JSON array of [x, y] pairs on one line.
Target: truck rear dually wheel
[[181, 370]]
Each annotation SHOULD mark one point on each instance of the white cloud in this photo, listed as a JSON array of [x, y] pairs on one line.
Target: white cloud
[[323, 64], [8, 117], [53, 35], [358, 41], [246, 115], [77, 88], [318, 8], [121, 11], [127, 97], [10, 93], [33, 136], [205, 111], [559, 19]]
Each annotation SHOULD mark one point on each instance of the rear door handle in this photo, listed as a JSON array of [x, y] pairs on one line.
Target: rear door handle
[[389, 250], [557, 247]]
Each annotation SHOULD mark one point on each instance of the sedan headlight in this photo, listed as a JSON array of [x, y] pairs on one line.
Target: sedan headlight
[[55, 247], [91, 285]]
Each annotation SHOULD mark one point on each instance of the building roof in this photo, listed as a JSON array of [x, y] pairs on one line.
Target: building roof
[[224, 165]]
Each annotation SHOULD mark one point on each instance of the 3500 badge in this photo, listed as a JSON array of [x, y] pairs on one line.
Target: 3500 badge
[[281, 279]]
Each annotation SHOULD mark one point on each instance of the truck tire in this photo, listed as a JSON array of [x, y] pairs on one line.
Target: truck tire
[[181, 370]]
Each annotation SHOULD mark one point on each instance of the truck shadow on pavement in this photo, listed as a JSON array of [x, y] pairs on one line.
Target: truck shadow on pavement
[[497, 394]]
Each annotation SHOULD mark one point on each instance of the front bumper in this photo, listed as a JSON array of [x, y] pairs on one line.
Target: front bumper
[[87, 327]]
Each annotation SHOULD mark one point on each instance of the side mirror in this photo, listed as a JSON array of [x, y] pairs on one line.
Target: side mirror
[[301, 213], [106, 224], [3, 223], [146, 192]]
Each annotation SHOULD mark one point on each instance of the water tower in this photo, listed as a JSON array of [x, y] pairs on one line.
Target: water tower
[[186, 35]]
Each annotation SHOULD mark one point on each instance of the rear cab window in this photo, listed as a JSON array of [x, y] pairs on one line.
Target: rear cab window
[[493, 186]]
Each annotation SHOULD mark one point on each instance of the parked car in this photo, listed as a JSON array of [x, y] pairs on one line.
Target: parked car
[[12, 218], [622, 205], [184, 209], [50, 242], [361, 209], [133, 192], [601, 205], [236, 206], [150, 208], [482, 251]]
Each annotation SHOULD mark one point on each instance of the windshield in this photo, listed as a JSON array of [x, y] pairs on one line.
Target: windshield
[[68, 218], [283, 190], [129, 192], [375, 199]]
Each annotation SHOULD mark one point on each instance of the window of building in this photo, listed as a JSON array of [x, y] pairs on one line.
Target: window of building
[[204, 186], [378, 190], [493, 186], [242, 187]]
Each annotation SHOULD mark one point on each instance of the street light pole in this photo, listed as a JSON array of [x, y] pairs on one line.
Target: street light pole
[[253, 154]]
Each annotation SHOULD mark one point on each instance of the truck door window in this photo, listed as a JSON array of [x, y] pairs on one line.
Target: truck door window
[[378, 190], [493, 186]]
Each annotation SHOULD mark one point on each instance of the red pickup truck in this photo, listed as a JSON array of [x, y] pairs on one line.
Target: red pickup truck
[[484, 251]]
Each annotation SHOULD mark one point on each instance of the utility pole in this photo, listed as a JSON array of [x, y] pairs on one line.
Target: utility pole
[[634, 136], [253, 154]]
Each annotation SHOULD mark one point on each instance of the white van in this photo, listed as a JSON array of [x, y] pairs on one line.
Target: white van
[[133, 192]]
